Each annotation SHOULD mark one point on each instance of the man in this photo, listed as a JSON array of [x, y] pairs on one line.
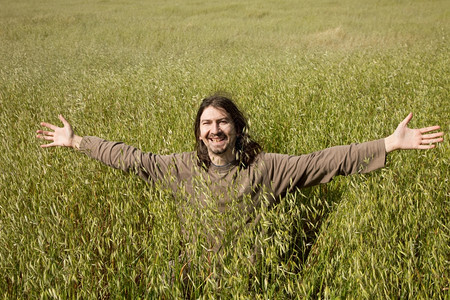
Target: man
[[228, 165]]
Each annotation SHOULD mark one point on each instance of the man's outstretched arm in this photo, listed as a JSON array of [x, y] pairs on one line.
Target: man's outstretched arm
[[405, 138], [150, 167], [322, 166], [60, 136]]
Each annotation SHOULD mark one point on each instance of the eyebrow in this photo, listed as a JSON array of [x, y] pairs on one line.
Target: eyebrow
[[220, 119]]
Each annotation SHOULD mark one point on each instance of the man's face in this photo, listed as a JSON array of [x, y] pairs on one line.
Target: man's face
[[218, 133]]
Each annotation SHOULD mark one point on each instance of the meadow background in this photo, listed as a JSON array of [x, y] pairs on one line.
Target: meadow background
[[309, 74]]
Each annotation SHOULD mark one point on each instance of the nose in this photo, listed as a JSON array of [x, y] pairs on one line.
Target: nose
[[215, 128]]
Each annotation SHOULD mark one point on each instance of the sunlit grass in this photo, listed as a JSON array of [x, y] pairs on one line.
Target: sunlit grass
[[309, 74]]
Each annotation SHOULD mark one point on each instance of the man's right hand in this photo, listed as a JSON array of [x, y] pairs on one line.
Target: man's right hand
[[60, 136]]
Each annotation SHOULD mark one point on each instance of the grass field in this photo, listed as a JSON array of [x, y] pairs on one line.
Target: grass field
[[309, 74]]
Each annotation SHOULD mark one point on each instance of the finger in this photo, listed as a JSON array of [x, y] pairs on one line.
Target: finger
[[432, 141], [47, 138], [407, 119], [428, 129], [50, 133], [47, 145], [48, 125], [63, 120], [433, 135], [425, 147]]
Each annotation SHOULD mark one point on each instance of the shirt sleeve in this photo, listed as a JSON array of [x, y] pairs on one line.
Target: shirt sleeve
[[148, 166], [287, 172]]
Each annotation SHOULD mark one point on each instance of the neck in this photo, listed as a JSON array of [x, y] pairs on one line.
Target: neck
[[222, 159]]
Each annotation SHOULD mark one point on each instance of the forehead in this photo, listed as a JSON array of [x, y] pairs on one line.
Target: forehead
[[214, 113]]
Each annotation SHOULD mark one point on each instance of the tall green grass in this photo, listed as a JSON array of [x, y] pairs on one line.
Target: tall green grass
[[309, 74]]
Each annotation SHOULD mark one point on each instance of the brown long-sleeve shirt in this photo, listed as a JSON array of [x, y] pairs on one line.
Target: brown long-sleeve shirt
[[270, 174]]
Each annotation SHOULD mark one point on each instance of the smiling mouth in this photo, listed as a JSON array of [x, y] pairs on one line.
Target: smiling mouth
[[217, 139]]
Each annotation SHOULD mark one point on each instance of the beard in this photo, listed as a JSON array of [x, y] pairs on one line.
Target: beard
[[218, 150]]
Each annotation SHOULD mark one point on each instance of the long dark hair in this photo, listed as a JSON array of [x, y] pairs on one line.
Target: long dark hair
[[246, 148]]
